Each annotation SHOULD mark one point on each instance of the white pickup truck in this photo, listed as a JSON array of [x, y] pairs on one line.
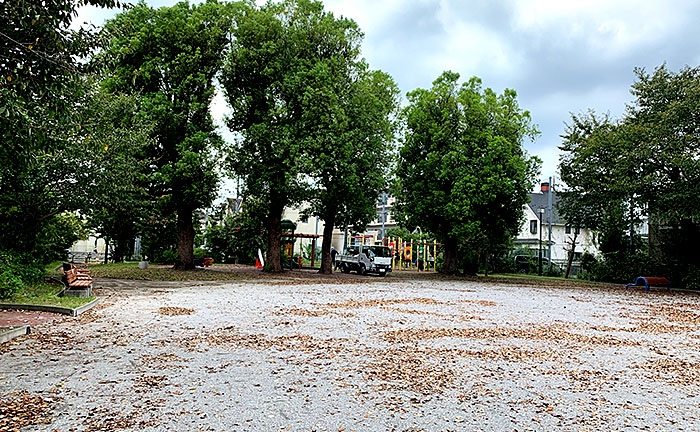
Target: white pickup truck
[[365, 259]]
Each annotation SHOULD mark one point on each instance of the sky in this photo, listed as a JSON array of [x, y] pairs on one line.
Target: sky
[[560, 56]]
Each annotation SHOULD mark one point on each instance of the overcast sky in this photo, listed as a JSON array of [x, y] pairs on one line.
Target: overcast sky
[[560, 56]]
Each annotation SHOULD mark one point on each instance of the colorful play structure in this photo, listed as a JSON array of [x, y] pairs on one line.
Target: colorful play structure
[[408, 255]]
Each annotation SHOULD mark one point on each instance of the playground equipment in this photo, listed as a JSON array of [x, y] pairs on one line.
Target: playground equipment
[[408, 255]]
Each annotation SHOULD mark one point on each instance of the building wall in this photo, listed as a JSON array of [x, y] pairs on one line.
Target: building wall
[[308, 226], [584, 241]]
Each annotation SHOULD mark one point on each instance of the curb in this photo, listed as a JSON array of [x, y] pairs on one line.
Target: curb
[[51, 309], [14, 332]]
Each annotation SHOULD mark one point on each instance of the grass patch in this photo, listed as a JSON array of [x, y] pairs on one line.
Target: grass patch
[[161, 273], [50, 268], [45, 294]]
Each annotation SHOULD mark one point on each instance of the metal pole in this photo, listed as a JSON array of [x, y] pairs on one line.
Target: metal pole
[[539, 270], [238, 188], [549, 233], [383, 212], [313, 247]]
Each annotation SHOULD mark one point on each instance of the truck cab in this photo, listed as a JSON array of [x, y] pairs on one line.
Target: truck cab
[[366, 259]]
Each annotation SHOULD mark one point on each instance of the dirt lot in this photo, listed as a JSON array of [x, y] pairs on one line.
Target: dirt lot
[[344, 354]]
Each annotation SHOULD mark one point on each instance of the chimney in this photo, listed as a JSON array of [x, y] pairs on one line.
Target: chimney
[[544, 187]]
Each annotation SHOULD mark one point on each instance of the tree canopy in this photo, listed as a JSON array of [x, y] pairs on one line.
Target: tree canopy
[[462, 173], [45, 99], [645, 166], [169, 58], [301, 101]]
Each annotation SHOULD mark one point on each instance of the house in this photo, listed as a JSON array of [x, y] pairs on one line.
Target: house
[[384, 219], [535, 229]]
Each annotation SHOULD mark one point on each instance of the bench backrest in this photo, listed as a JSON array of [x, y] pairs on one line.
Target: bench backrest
[[71, 275], [651, 280]]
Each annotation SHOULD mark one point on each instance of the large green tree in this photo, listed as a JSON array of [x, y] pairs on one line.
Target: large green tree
[[45, 165], [118, 202], [169, 58], [645, 165], [287, 76], [349, 115], [462, 172]]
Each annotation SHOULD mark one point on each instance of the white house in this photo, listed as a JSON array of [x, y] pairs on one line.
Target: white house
[[535, 227]]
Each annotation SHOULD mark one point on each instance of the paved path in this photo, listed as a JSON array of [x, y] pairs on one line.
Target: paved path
[[10, 318], [381, 355]]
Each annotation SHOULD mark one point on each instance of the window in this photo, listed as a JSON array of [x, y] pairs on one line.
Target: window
[[577, 230], [305, 219], [577, 256], [533, 226]]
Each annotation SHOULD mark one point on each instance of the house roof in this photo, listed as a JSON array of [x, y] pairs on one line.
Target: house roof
[[540, 200]]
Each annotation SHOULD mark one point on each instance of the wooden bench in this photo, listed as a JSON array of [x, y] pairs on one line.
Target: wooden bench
[[647, 281], [76, 277]]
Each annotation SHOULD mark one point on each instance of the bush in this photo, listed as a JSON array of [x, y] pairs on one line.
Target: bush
[[167, 256], [619, 268], [199, 252], [588, 261], [552, 270], [692, 279], [16, 271]]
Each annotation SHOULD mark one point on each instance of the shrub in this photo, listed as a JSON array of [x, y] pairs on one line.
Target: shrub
[[692, 279], [17, 270], [551, 270], [621, 268], [167, 256], [199, 252]]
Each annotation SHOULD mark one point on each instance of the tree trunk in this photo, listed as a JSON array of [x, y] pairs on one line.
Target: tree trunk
[[449, 265], [326, 261], [185, 240], [570, 258], [486, 265], [274, 229]]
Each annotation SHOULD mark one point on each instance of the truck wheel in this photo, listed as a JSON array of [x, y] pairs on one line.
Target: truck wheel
[[344, 268], [361, 270]]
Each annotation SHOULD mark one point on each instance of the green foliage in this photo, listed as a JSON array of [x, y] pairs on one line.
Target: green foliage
[[200, 252], [462, 172], [588, 261], [57, 235], [233, 238], [43, 293], [119, 200], [174, 85], [158, 240], [645, 165], [17, 270], [692, 278], [406, 235], [313, 122], [45, 168], [625, 268], [552, 270]]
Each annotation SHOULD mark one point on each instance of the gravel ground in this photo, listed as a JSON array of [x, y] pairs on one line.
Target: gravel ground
[[356, 355]]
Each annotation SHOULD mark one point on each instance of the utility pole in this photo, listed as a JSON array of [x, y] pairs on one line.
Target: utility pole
[[549, 232], [383, 213], [539, 266]]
